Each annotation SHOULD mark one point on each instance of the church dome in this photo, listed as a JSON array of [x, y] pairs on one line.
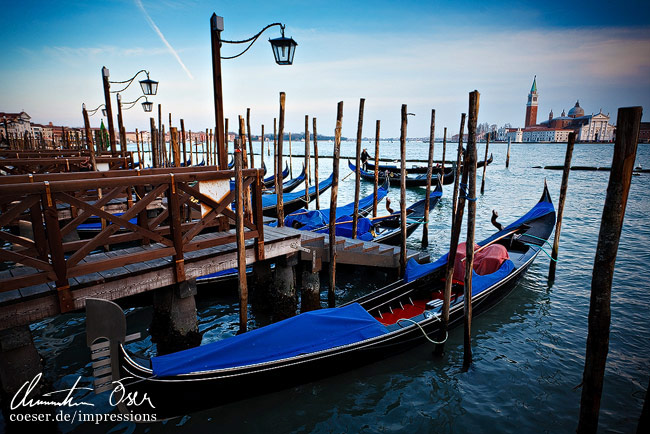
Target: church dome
[[576, 111]]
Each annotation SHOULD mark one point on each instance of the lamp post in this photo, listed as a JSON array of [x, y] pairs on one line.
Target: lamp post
[[149, 87], [283, 51], [146, 106]]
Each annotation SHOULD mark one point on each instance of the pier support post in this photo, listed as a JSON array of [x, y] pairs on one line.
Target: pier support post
[[283, 289], [260, 291], [174, 326], [20, 363], [310, 283]]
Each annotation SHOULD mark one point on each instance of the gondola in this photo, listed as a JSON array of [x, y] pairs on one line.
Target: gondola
[[317, 219], [411, 181], [292, 201], [312, 345], [270, 181], [386, 229], [370, 167], [290, 185]]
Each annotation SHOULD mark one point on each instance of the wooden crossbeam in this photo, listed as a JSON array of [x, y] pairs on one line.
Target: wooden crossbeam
[[111, 229]]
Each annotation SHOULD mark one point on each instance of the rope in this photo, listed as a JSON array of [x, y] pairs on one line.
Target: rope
[[537, 238], [463, 192], [542, 249], [425, 333]]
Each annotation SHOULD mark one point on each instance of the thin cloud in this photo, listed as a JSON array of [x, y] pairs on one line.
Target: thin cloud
[[162, 38]]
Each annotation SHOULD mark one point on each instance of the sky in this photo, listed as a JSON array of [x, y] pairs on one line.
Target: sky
[[426, 54]]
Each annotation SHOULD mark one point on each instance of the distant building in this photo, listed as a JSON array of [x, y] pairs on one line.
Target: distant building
[[644, 132], [15, 124], [531, 106], [589, 128]]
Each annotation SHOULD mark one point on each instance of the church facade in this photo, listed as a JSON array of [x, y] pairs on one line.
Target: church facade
[[588, 128]]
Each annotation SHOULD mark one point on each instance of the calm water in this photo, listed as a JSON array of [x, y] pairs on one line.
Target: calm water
[[528, 350]]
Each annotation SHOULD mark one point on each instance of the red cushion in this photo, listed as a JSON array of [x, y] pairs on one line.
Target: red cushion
[[487, 261]]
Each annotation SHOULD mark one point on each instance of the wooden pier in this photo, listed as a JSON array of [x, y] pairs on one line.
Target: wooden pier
[[26, 304], [171, 231]]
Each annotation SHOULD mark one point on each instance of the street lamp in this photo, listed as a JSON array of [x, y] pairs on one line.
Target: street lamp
[[149, 87], [283, 49], [283, 52]]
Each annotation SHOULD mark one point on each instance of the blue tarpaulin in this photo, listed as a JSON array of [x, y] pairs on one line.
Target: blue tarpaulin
[[96, 226], [344, 229], [270, 200], [305, 333], [318, 218]]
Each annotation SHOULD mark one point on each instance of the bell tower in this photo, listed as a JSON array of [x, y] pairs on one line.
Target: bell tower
[[531, 106]]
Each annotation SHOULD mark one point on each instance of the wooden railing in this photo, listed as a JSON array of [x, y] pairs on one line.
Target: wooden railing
[[170, 233], [19, 166], [56, 153], [70, 176]]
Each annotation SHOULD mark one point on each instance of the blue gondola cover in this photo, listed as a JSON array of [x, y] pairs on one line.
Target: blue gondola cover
[[305, 333], [318, 218]]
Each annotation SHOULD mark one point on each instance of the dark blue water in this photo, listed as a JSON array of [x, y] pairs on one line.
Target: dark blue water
[[528, 350]]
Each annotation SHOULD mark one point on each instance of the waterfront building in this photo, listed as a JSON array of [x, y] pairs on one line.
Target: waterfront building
[[15, 124], [588, 128]]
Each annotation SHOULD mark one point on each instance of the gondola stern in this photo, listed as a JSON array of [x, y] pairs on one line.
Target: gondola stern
[[105, 333]]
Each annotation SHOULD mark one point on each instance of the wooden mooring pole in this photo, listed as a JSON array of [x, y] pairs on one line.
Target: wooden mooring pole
[[470, 163], [456, 224], [89, 137], [184, 144], [316, 165], [508, 154], [487, 145], [278, 171], [154, 143], [137, 145], [627, 138], [560, 206], [331, 299], [173, 132], [357, 180], [250, 137], [425, 228], [376, 182], [262, 147], [402, 203], [290, 158], [241, 247], [225, 143], [454, 208], [444, 151], [307, 157]]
